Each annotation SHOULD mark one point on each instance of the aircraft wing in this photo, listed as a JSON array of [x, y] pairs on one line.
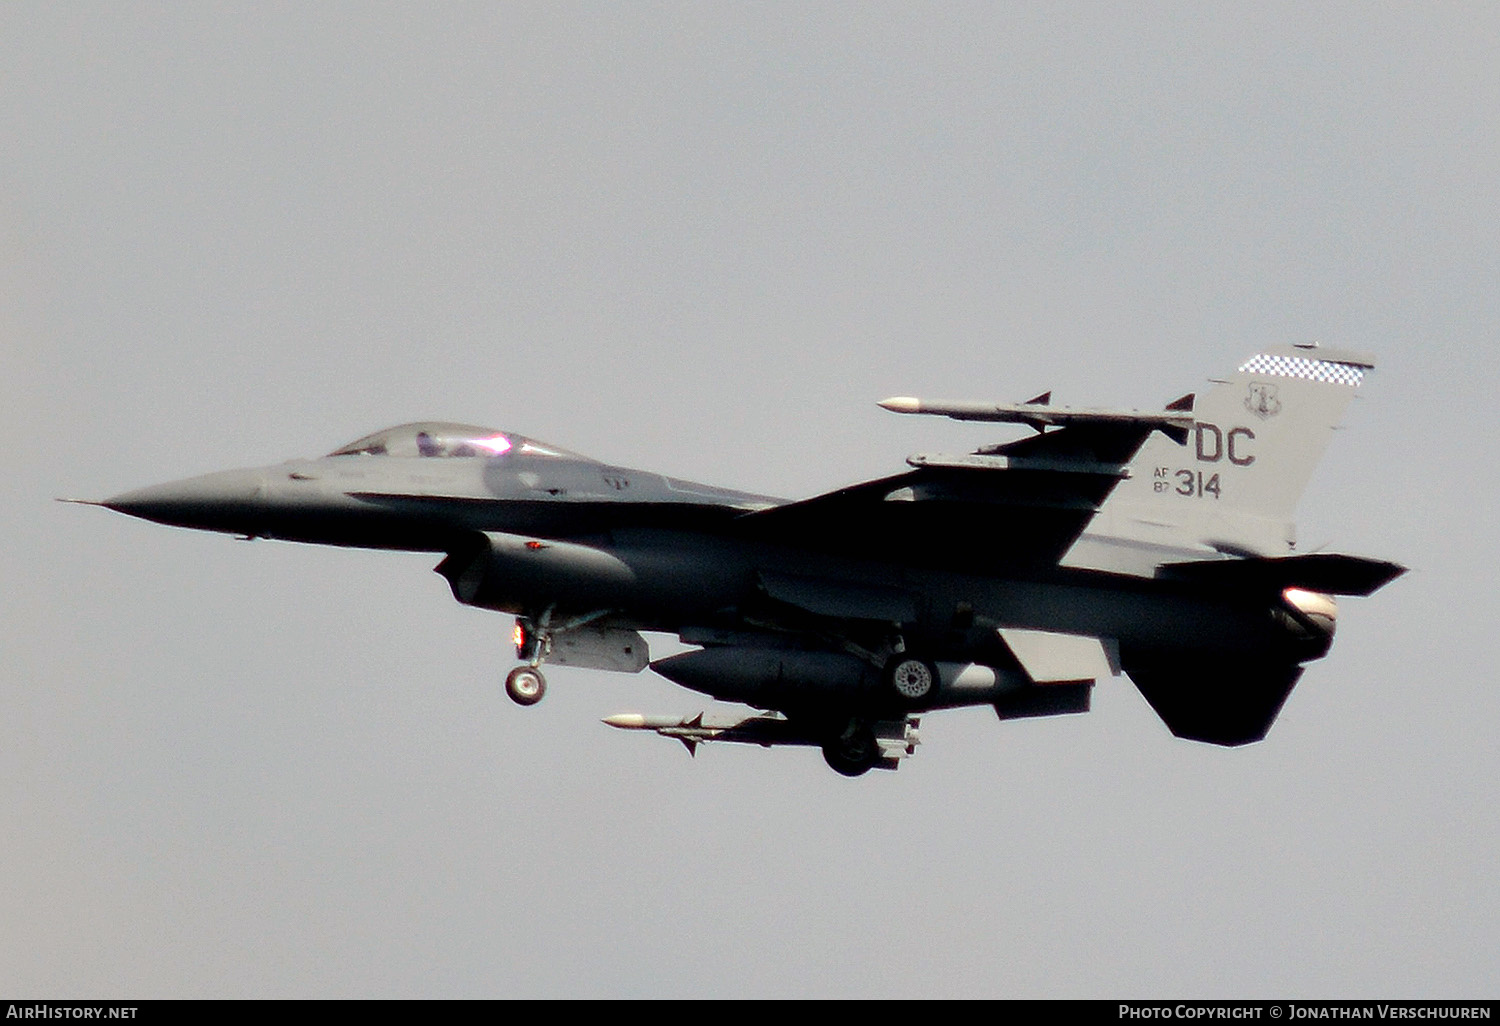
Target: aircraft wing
[[1007, 507], [941, 516]]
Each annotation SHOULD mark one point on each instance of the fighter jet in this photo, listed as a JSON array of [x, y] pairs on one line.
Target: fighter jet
[[1157, 543]]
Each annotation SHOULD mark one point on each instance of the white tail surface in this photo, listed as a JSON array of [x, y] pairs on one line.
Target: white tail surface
[[1233, 485]]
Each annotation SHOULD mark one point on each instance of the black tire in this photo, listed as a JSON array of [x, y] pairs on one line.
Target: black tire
[[913, 681], [852, 753], [525, 685]]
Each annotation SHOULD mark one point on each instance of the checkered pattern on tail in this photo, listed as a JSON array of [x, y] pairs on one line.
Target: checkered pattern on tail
[[1301, 367]]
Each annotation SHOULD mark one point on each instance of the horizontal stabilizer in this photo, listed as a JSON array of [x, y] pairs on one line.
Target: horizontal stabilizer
[[1329, 572]]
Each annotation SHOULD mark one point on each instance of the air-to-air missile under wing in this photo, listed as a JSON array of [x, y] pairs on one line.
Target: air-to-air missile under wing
[[1014, 576]]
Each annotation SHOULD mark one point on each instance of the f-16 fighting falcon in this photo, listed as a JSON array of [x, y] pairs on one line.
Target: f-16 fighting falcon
[[1158, 544]]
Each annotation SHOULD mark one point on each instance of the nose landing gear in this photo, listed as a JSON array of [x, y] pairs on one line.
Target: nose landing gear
[[525, 684], [533, 637]]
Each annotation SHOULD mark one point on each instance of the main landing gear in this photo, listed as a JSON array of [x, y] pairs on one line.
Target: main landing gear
[[912, 680]]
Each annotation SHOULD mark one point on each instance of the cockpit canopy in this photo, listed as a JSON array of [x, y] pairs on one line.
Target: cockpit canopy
[[439, 439]]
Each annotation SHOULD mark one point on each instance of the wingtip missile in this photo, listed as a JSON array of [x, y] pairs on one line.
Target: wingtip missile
[[636, 721], [1039, 413]]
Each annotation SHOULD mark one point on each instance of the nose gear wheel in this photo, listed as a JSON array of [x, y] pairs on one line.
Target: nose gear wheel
[[525, 685]]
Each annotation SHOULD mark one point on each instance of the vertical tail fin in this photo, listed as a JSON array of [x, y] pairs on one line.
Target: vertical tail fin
[[1233, 485]]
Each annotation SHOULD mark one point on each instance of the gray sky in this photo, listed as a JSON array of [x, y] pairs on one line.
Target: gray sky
[[704, 239]]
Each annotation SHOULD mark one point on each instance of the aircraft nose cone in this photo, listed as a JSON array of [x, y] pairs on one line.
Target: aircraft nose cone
[[231, 500]]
